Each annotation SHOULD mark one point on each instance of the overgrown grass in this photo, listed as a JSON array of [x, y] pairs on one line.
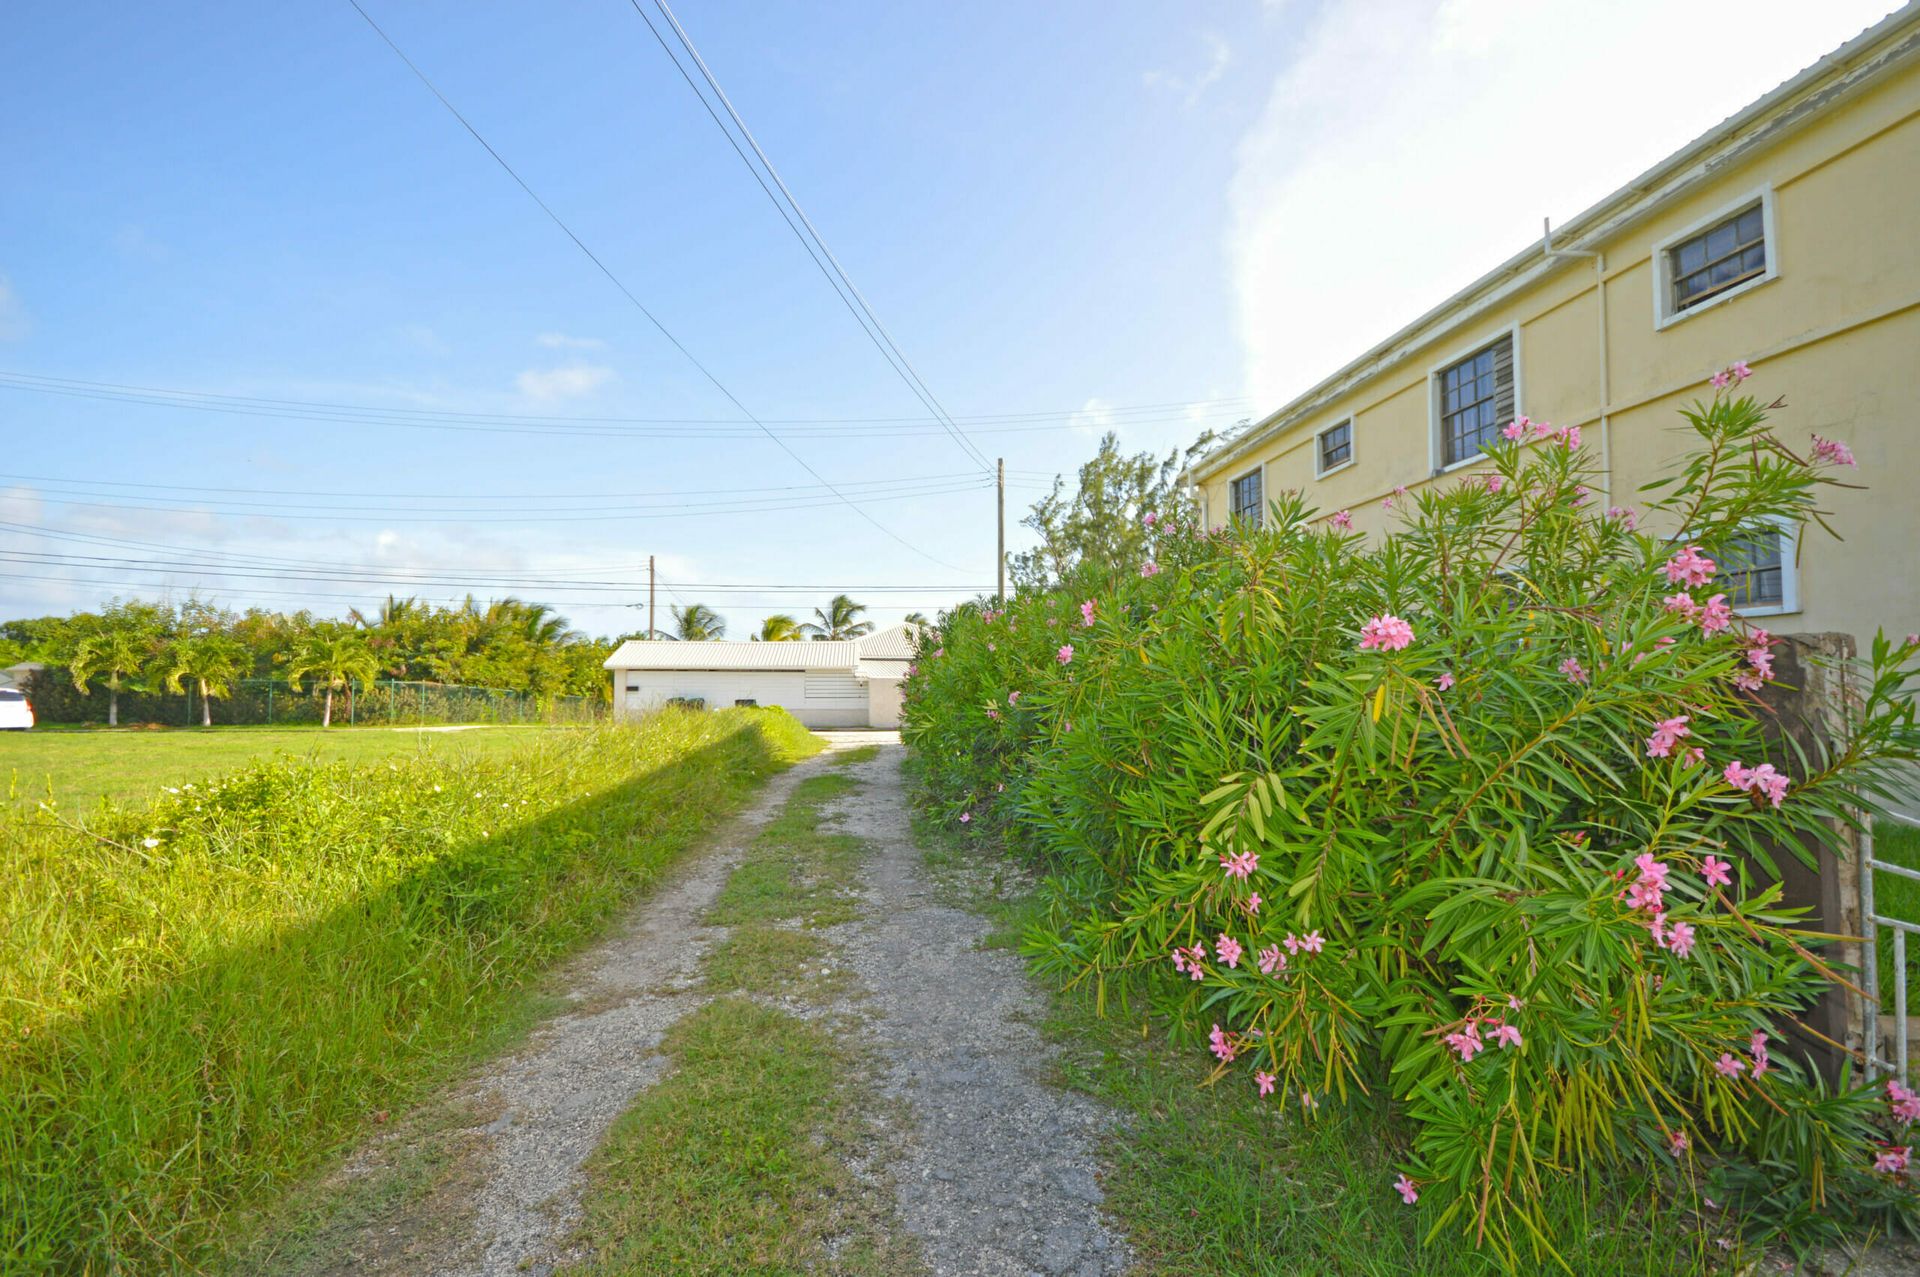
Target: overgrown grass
[[128, 766], [859, 754], [190, 1025], [1206, 1176], [740, 1160], [1897, 897]]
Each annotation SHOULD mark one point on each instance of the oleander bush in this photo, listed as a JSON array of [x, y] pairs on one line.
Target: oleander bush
[[203, 998], [1482, 820]]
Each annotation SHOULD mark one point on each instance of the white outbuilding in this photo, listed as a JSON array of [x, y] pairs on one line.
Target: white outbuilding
[[826, 683]]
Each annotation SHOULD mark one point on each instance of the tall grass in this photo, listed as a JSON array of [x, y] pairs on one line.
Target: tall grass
[[201, 1000]]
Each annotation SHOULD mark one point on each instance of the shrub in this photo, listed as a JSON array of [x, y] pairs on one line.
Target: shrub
[[1481, 817], [202, 998]]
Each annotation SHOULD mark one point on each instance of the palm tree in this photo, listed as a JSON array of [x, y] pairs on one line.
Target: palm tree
[[779, 628], [916, 618], [116, 655], [696, 622], [840, 620], [337, 657], [212, 661]]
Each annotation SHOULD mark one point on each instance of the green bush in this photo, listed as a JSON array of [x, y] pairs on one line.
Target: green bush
[[201, 999], [1481, 818]]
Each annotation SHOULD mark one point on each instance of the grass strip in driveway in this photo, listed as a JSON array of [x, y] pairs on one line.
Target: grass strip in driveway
[[742, 1159]]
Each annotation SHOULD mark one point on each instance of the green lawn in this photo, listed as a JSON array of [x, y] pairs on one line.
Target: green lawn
[[131, 765], [1897, 897]]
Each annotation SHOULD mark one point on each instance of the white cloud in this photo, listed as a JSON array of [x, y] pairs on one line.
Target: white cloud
[[1093, 418], [13, 316], [1190, 88], [569, 382], [1413, 145], [561, 341]]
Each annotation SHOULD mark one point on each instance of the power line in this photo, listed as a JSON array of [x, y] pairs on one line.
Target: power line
[[638, 305], [1196, 412], [810, 240]]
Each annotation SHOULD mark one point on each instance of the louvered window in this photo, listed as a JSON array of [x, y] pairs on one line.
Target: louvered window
[[1475, 400]]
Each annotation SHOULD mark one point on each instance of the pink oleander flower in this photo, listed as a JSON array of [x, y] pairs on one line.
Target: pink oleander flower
[[1505, 1035], [1313, 942], [1695, 756], [1740, 777], [1264, 1082], [1729, 1065], [1387, 633], [1065, 654], [993, 714], [1757, 1046], [1892, 1159], [1902, 1102], [1714, 870], [1715, 615], [1272, 960], [1386, 503], [1680, 939], [1221, 1045], [1515, 429], [1197, 962], [1651, 870], [1253, 903], [1408, 1193], [1747, 680], [1679, 1144], [1516, 1003], [1740, 370], [1466, 1042], [1690, 567], [966, 818], [1913, 640], [1764, 779], [1574, 671], [1833, 452], [1342, 519], [1228, 950], [1149, 519], [1307, 1103], [1580, 494], [1013, 698], [1292, 942], [1682, 603], [1495, 482], [1658, 929], [1622, 515], [1571, 437], [1086, 613], [1149, 568], [1240, 864], [1541, 429], [1445, 681], [1399, 489], [1179, 957], [1667, 734], [1760, 657]]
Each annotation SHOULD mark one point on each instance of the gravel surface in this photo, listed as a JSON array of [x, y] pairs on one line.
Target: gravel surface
[[996, 1175]]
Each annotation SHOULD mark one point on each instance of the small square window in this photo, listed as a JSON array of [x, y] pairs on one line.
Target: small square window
[[1244, 498], [1757, 572], [1333, 447], [1474, 398], [1722, 257]]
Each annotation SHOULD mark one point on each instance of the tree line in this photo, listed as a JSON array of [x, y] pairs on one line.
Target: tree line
[[839, 619]]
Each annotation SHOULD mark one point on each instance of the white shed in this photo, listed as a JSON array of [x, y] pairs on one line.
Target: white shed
[[850, 683]]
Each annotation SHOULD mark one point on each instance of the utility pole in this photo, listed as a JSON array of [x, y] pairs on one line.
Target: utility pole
[[1000, 561], [652, 629]]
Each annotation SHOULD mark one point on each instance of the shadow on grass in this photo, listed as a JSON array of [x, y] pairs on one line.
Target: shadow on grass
[[133, 1134]]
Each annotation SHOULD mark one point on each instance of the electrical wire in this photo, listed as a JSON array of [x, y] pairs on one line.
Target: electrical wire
[[810, 240], [638, 304]]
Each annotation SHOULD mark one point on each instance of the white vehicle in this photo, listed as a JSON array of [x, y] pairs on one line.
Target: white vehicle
[[16, 715]]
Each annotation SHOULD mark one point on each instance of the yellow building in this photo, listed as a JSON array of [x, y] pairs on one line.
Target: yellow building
[[1788, 237]]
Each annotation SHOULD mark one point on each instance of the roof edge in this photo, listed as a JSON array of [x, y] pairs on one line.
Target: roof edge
[[1665, 182]]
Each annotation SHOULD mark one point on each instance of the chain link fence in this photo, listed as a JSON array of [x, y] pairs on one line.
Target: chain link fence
[[260, 702]]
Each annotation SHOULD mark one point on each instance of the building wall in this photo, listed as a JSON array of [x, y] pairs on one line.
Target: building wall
[[1836, 333], [819, 699], [883, 702]]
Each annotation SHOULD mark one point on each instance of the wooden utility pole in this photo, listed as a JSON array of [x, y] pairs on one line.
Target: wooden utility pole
[[1000, 561], [652, 629]]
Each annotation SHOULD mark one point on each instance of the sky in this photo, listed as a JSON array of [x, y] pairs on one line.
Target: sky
[[276, 329]]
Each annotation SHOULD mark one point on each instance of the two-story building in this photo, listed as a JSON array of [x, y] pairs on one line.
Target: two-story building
[[1788, 237]]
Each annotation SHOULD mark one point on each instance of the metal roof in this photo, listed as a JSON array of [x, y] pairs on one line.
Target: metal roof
[[724, 655], [895, 644], [1861, 60]]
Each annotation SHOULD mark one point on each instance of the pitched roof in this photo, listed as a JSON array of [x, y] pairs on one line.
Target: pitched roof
[[1888, 45]]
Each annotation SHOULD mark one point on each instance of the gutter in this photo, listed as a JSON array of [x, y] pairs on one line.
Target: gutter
[[1857, 62]]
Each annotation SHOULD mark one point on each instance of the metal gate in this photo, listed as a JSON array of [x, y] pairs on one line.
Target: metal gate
[[1871, 921]]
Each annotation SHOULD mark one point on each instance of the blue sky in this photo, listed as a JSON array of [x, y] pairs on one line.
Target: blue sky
[[1061, 209]]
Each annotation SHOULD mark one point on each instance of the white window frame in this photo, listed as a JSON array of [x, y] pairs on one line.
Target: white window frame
[[1789, 571], [1353, 450], [1664, 316], [1436, 449]]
